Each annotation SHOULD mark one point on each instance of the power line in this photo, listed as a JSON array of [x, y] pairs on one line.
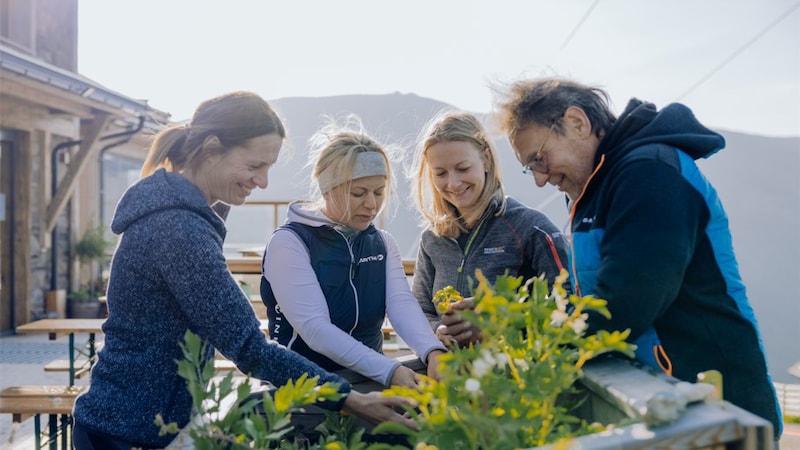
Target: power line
[[580, 23], [739, 50]]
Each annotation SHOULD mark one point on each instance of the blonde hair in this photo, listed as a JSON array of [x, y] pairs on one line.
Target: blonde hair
[[447, 126], [334, 150], [218, 124]]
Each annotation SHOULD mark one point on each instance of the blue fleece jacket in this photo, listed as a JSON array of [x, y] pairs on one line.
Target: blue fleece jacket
[[169, 275]]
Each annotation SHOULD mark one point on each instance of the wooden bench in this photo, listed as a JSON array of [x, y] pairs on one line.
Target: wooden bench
[[23, 402], [82, 367]]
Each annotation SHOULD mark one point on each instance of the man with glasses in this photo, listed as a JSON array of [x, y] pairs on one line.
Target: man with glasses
[[648, 232]]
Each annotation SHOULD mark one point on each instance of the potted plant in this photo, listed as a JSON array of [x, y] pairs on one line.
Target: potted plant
[[91, 251]]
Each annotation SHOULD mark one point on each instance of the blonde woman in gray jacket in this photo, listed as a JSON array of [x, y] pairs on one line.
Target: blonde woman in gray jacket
[[470, 223]]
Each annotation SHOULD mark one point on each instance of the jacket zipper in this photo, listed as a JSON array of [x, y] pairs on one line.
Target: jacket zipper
[[576, 285], [352, 276], [472, 237]]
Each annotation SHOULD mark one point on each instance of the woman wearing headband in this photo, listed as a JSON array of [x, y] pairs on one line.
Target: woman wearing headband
[[330, 276]]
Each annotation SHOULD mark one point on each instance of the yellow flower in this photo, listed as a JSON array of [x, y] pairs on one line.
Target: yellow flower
[[424, 446], [443, 298]]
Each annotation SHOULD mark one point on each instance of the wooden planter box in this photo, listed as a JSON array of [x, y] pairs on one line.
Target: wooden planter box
[[619, 390]]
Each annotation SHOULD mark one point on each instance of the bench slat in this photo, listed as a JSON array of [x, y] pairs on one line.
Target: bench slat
[[36, 405], [42, 391], [62, 365], [23, 402]]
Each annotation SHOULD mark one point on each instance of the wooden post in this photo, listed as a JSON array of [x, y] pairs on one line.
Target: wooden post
[[56, 302]]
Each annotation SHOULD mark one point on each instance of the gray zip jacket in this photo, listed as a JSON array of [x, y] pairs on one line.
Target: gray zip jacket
[[521, 240]]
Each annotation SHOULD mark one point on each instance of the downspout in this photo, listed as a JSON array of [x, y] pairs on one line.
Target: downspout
[[13, 230], [125, 136]]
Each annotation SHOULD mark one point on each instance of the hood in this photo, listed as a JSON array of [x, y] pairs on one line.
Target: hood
[[675, 125], [307, 213], [158, 192]]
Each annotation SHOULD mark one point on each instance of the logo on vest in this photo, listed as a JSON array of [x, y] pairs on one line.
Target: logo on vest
[[371, 258]]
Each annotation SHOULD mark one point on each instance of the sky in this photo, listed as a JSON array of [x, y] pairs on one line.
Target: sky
[[736, 64]]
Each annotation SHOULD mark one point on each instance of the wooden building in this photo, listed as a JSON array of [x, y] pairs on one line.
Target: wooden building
[[69, 148]]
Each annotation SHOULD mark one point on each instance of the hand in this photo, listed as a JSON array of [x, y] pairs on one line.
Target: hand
[[406, 377], [376, 408], [433, 363], [455, 329]]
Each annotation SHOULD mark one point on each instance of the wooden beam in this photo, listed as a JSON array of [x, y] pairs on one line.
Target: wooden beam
[[29, 116], [15, 86], [22, 261], [67, 184]]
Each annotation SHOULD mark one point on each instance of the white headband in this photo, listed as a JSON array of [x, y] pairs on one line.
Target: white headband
[[367, 164]]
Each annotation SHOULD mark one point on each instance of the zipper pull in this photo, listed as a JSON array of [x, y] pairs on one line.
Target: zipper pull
[[461, 266]]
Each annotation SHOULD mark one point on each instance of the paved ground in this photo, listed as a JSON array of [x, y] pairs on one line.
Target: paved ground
[[791, 437], [22, 358]]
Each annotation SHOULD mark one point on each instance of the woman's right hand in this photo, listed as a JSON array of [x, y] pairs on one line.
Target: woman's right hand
[[376, 408], [403, 376], [454, 328]]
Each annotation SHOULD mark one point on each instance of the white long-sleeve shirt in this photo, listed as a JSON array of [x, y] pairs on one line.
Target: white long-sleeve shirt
[[300, 298]]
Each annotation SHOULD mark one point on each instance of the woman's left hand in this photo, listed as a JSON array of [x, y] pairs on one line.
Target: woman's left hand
[[404, 376], [433, 363]]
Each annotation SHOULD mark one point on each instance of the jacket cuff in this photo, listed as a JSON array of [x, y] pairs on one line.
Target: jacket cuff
[[387, 382], [424, 359], [337, 405]]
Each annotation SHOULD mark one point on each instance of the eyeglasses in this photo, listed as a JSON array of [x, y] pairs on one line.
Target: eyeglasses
[[537, 163]]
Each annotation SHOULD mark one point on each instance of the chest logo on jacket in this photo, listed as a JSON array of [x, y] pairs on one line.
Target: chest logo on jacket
[[493, 250], [371, 258]]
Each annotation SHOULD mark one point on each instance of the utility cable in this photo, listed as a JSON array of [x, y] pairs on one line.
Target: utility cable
[[739, 51], [579, 25]]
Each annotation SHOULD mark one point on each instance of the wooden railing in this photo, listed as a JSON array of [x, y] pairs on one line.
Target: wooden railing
[[789, 398], [276, 205], [251, 265]]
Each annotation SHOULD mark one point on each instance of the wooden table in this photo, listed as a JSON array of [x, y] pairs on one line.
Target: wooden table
[[250, 265], [55, 327]]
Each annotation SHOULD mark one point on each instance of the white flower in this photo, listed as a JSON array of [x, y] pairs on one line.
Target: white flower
[[521, 364], [487, 356], [578, 325], [561, 303], [480, 368], [501, 360], [557, 318], [473, 385]]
